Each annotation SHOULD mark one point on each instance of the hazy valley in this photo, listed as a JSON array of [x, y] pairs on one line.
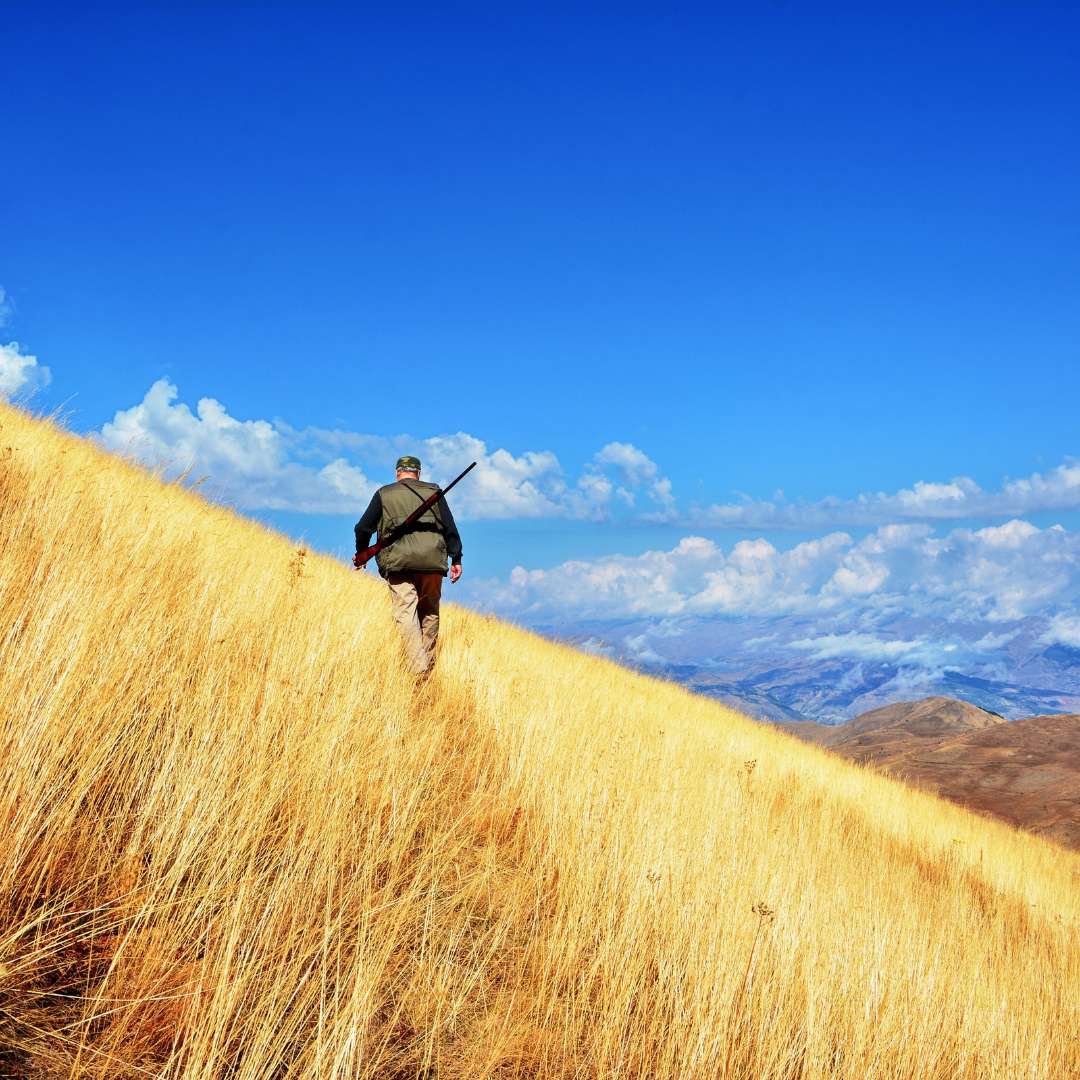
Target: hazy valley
[[811, 668]]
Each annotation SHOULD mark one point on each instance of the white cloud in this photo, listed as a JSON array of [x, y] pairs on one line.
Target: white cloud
[[530, 485], [1064, 629], [924, 494], [347, 480], [994, 574], [635, 470], [867, 647], [639, 650], [164, 430], [756, 577], [245, 461], [502, 485], [1056, 489], [656, 583], [992, 642], [20, 373], [259, 464]]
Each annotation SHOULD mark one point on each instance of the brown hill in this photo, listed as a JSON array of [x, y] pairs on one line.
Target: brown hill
[[884, 735], [1026, 772]]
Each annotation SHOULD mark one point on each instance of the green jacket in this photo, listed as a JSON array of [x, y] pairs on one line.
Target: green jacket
[[424, 548]]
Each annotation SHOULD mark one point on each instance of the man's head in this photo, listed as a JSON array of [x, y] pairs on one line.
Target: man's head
[[408, 466]]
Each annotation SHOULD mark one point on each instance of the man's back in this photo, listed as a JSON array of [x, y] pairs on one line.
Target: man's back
[[426, 544], [422, 547]]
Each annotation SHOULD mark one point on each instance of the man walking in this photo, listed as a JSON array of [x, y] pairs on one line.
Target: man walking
[[414, 565]]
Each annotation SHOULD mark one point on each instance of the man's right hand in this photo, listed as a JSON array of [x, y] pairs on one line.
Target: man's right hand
[[455, 572]]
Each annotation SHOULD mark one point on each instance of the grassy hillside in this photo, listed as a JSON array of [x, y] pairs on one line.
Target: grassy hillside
[[235, 843]]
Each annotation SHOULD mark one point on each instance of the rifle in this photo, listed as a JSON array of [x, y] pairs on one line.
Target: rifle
[[360, 560]]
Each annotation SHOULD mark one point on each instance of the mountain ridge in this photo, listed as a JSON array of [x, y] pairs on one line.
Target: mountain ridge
[[762, 666], [933, 717]]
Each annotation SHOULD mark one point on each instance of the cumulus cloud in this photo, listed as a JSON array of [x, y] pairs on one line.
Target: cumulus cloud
[[635, 470], [533, 484], [20, 373], [502, 485], [862, 646], [262, 464], [996, 574], [245, 461], [992, 642], [962, 497], [1064, 629], [655, 583]]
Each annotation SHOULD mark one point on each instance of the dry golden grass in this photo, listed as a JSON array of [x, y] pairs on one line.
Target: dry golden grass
[[235, 843]]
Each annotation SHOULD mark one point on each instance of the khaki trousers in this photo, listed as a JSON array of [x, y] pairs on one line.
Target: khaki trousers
[[414, 601]]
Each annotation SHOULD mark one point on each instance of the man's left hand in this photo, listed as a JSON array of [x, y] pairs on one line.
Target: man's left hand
[[455, 572]]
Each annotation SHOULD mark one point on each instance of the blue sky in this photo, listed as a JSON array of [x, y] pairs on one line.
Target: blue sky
[[828, 253]]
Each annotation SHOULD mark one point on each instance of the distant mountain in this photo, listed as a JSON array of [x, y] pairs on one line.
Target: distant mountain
[[1063, 655], [801, 667], [1026, 772], [870, 736]]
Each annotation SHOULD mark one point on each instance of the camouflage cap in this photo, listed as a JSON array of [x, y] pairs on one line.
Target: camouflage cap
[[408, 463]]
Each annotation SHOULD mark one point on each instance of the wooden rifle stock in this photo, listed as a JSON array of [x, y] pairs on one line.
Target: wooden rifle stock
[[363, 557]]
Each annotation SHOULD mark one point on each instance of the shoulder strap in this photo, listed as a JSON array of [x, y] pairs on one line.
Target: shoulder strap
[[421, 497]]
